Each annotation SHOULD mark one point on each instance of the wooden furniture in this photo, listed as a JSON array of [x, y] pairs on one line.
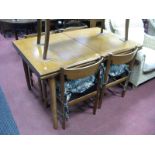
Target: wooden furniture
[[47, 33], [116, 60], [103, 44], [92, 24], [76, 73], [65, 50], [41, 83]]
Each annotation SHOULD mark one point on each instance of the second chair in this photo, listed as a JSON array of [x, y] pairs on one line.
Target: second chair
[[118, 70], [83, 80]]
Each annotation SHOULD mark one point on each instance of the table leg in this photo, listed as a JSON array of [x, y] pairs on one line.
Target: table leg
[[41, 90], [92, 22], [27, 75], [44, 89], [53, 103]]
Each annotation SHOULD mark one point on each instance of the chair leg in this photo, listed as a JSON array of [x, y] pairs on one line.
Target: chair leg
[[64, 124], [30, 75], [96, 104], [100, 97], [123, 93], [125, 88], [63, 120], [63, 116]]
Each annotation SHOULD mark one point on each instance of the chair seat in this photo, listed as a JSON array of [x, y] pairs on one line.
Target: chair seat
[[77, 86], [75, 89], [118, 70]]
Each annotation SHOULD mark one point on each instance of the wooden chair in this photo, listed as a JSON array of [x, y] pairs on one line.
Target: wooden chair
[[124, 63], [74, 74]]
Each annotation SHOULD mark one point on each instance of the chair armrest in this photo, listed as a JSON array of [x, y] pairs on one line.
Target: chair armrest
[[149, 41]]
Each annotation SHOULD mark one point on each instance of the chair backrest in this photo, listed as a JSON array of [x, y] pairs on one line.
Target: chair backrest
[[124, 57], [78, 72], [82, 70]]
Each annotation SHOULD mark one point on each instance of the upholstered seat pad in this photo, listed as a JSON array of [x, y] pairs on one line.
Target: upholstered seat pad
[[149, 63], [77, 86], [80, 85], [117, 70]]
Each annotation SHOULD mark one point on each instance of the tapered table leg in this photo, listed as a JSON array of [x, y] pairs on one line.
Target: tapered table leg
[[92, 22], [53, 103], [27, 75], [102, 25]]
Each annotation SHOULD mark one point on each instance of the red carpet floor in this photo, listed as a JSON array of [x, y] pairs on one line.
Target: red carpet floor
[[133, 114]]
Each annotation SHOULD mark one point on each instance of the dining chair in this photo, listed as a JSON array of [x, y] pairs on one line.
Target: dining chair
[[78, 84], [118, 69]]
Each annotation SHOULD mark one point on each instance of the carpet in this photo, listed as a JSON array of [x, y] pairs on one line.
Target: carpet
[[7, 123]]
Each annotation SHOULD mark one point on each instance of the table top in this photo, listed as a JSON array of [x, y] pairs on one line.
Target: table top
[[102, 43], [68, 48]]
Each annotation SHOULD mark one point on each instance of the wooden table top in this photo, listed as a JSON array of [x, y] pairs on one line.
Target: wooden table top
[[68, 48], [102, 43]]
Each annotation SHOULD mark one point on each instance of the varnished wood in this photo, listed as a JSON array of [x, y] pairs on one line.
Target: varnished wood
[[100, 43], [123, 57], [78, 73], [67, 49], [40, 89], [39, 30], [47, 35], [45, 96], [85, 71], [115, 82], [31, 76], [80, 99], [52, 86], [92, 22], [27, 75], [128, 57]]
